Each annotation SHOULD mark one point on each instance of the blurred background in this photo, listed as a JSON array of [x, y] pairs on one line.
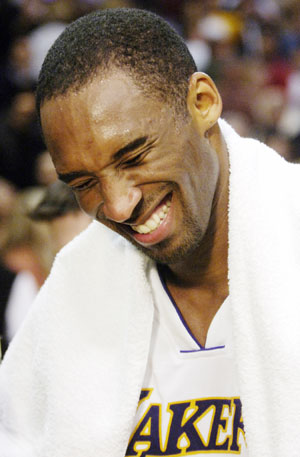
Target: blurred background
[[251, 48]]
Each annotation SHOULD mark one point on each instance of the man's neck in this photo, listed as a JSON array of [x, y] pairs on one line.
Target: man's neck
[[199, 284]]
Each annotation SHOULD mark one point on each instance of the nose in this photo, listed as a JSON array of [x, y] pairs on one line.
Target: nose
[[119, 199]]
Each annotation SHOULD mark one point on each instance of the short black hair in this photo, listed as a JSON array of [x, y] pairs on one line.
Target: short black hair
[[135, 40]]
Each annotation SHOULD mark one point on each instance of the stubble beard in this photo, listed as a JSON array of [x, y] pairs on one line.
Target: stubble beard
[[172, 251]]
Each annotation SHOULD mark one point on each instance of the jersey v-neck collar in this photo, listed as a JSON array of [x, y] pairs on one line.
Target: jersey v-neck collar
[[170, 317]]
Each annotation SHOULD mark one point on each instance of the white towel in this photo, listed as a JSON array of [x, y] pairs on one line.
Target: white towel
[[70, 382], [74, 372], [264, 279]]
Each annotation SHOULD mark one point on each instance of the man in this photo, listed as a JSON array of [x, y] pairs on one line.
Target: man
[[148, 343]]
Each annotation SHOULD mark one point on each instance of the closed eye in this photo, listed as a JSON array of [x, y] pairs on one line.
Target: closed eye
[[83, 185], [138, 158], [133, 161]]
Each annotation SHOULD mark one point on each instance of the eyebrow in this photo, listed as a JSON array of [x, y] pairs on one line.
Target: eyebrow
[[68, 177]]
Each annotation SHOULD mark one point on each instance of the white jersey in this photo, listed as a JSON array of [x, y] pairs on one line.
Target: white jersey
[[189, 403]]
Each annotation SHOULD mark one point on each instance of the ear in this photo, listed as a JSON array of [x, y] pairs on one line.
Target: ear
[[204, 102]]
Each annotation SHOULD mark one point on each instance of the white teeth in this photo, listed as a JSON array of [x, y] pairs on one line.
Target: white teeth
[[144, 229], [154, 221], [151, 224], [156, 218]]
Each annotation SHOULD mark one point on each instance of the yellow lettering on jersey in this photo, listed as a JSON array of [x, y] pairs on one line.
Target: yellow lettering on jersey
[[198, 426]]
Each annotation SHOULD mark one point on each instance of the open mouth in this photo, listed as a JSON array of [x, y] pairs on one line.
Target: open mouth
[[157, 227], [156, 218]]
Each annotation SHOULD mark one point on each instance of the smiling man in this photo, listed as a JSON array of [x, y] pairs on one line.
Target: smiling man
[[171, 325]]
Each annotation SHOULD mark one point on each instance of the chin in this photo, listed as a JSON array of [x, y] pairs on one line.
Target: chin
[[166, 253]]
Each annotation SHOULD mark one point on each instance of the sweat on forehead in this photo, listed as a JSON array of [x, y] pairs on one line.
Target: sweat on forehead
[[137, 41]]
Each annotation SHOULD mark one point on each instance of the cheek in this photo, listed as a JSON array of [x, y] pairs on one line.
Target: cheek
[[207, 169], [209, 186], [200, 182]]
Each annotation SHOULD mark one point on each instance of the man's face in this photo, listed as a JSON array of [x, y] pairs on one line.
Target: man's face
[[133, 167]]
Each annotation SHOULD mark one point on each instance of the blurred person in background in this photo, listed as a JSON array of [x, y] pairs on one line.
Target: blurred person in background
[[43, 221], [60, 209], [26, 250]]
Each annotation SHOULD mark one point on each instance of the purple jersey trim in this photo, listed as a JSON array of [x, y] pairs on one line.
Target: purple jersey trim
[[201, 348]]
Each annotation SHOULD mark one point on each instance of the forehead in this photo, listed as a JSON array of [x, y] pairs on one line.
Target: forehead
[[110, 111]]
